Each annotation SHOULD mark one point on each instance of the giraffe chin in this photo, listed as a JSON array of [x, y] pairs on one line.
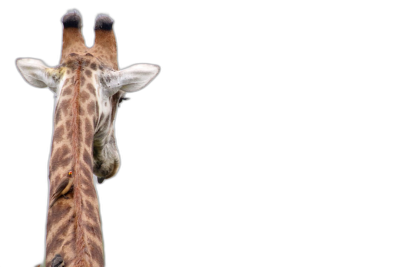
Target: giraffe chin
[[107, 162], [106, 172]]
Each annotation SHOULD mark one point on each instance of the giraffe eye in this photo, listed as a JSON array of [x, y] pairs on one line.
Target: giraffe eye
[[122, 99]]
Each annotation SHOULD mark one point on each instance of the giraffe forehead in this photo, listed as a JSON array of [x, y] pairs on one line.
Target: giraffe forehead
[[85, 66], [73, 60], [97, 55], [88, 64]]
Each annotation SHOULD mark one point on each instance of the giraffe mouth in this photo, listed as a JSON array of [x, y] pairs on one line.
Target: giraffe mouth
[[100, 180]]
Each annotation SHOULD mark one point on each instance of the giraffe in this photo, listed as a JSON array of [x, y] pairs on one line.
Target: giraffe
[[88, 88]]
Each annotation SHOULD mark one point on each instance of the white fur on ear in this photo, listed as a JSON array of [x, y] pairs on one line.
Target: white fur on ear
[[36, 73], [131, 79], [138, 76]]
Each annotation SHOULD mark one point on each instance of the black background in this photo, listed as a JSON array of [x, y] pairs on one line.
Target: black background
[[153, 210]]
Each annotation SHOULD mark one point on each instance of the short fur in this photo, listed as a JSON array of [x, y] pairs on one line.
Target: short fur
[[84, 140]]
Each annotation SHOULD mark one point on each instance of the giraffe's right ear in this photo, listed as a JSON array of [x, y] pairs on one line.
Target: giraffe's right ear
[[36, 73]]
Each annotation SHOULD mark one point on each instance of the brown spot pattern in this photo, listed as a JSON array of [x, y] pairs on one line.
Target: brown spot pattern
[[85, 63], [56, 213], [88, 73], [88, 139], [81, 109], [90, 192], [91, 88], [88, 133], [86, 173], [58, 134], [63, 106], [59, 236], [83, 79], [91, 212], [91, 107], [84, 96], [58, 117], [87, 158], [61, 157], [97, 253], [53, 246], [68, 123], [69, 242], [67, 91], [87, 181], [93, 66], [89, 206]]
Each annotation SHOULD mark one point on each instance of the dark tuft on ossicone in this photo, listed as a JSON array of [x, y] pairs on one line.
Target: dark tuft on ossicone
[[72, 19], [104, 22]]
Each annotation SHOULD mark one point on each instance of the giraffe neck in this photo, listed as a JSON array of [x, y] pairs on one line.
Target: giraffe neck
[[80, 241], [73, 225]]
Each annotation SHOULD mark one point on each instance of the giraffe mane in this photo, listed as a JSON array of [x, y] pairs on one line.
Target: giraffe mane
[[81, 245]]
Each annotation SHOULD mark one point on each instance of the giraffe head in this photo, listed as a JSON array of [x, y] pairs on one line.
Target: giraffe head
[[100, 81]]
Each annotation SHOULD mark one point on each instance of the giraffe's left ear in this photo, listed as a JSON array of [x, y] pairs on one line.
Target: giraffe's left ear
[[131, 79], [36, 73]]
